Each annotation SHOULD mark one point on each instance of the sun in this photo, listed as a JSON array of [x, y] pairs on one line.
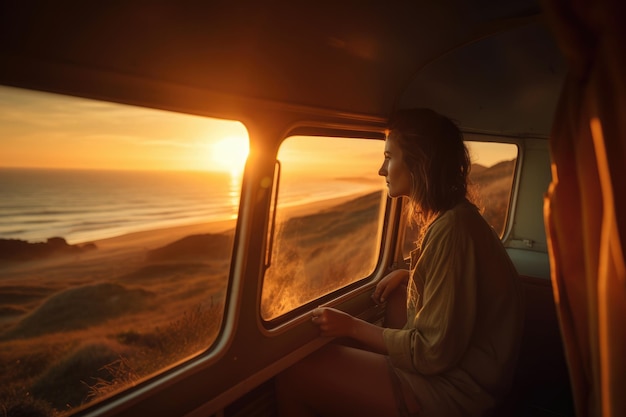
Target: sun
[[230, 153]]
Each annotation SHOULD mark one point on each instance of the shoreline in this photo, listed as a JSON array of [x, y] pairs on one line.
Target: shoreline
[[141, 241], [168, 234]]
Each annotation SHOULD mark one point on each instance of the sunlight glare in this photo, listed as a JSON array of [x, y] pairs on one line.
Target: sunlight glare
[[230, 153]]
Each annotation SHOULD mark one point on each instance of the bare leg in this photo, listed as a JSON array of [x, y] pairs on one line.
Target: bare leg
[[337, 381]]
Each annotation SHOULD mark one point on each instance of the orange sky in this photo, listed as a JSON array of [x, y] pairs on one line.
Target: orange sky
[[53, 131]]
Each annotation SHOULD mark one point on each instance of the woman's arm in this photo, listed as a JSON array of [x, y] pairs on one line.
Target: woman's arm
[[336, 323], [389, 283]]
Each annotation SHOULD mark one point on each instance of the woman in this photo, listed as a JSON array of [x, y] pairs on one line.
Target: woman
[[454, 321]]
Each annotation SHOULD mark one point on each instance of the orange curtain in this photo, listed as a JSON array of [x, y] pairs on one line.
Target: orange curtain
[[585, 207]]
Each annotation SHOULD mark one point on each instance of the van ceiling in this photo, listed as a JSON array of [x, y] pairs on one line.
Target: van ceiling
[[357, 57]]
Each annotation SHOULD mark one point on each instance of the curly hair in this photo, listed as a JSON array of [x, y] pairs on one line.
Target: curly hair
[[433, 150]]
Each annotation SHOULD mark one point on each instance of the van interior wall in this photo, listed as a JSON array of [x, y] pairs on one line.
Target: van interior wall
[[542, 383]]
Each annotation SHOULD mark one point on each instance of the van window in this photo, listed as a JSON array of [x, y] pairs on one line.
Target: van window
[[491, 184], [329, 216], [116, 232]]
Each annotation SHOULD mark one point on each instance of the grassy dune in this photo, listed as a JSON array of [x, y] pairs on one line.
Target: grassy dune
[[304, 262], [75, 329], [492, 187]]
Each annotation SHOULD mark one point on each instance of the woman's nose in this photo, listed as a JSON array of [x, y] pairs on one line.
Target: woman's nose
[[382, 171]]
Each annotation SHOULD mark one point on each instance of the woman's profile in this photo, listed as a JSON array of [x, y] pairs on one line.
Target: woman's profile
[[453, 322]]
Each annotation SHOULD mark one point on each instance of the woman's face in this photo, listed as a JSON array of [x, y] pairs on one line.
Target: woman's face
[[395, 171]]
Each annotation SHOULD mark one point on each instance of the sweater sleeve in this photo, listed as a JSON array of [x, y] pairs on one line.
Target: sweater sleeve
[[438, 334]]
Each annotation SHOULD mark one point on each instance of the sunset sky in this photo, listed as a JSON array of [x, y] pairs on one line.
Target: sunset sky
[[53, 131]]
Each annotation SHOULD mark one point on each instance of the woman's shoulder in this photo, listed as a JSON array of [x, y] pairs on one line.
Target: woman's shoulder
[[462, 221], [463, 213]]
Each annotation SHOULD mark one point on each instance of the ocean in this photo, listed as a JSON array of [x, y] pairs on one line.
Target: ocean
[[87, 205]]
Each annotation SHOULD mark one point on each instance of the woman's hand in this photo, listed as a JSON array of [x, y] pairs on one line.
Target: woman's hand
[[388, 284], [333, 323]]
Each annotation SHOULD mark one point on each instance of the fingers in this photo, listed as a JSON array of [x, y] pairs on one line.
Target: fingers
[[376, 294], [315, 313], [322, 317], [383, 296], [380, 294], [376, 297], [318, 316]]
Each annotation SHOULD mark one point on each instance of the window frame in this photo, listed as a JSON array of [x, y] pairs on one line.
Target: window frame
[[213, 352], [293, 317]]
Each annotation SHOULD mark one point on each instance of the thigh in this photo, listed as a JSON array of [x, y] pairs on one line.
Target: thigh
[[343, 381]]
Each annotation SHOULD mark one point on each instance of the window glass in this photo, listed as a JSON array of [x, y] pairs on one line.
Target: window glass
[[491, 184], [329, 212], [116, 232], [491, 179]]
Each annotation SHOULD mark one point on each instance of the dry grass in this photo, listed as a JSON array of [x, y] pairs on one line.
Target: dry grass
[[74, 331], [492, 189], [304, 265]]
